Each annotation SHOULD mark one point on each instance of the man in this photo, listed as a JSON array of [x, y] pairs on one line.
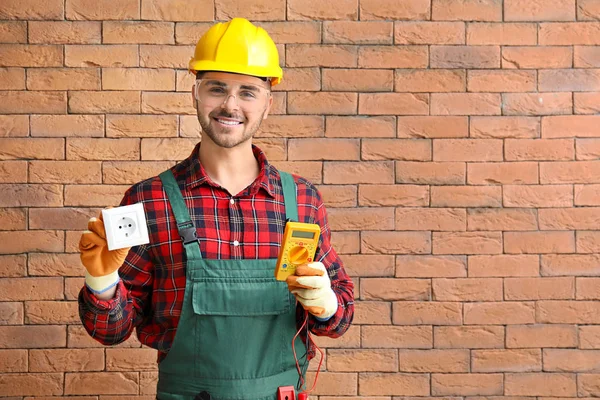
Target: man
[[203, 292]]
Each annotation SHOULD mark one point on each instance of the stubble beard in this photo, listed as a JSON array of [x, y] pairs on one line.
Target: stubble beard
[[225, 139]]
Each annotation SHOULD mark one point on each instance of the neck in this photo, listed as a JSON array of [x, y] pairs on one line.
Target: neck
[[233, 169]]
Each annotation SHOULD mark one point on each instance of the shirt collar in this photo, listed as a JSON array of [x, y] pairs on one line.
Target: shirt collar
[[195, 174]]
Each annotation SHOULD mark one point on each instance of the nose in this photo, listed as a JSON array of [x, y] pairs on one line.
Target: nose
[[230, 105]]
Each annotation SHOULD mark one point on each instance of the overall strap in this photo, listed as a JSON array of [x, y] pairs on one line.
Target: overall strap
[[289, 196], [185, 225]]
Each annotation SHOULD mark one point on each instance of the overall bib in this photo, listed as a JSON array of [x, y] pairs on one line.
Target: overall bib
[[234, 336]]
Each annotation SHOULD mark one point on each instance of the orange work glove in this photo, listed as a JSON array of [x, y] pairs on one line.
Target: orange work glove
[[312, 288], [102, 265]]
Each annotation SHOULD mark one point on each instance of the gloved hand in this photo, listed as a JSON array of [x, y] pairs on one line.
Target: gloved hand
[[102, 265], [312, 288]]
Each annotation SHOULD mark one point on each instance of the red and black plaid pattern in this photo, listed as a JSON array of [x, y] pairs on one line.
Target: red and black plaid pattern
[[249, 225]]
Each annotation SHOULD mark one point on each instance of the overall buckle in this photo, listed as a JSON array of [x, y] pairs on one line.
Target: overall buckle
[[188, 233]]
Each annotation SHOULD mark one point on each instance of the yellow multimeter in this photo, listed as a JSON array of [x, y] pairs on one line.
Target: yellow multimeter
[[299, 246]]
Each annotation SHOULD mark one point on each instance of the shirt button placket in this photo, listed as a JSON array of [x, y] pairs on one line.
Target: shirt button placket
[[236, 251]]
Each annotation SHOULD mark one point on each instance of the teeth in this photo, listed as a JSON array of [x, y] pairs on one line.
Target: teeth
[[228, 122]]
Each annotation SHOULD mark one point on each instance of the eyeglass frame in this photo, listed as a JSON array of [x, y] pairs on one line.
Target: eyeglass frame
[[226, 96]]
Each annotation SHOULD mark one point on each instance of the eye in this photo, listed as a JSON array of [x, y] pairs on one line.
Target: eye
[[216, 90], [248, 94]]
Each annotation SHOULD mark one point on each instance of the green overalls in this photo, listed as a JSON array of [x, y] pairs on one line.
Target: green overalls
[[234, 336]]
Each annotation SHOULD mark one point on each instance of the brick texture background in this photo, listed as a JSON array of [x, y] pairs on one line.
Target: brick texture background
[[456, 143]]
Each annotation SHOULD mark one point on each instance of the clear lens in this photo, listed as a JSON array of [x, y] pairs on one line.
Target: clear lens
[[216, 92]]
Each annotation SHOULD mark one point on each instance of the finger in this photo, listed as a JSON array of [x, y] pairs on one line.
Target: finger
[[307, 270], [90, 240], [314, 282], [292, 282], [96, 225], [307, 294]]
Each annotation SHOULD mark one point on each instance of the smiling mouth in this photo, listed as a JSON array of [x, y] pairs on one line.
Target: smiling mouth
[[227, 122]]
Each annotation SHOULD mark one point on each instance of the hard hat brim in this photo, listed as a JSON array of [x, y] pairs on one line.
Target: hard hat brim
[[204, 65]]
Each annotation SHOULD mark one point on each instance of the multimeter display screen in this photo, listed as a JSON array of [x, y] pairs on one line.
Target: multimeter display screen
[[303, 235]]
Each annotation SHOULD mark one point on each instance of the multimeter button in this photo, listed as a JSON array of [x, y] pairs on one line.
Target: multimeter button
[[298, 255]]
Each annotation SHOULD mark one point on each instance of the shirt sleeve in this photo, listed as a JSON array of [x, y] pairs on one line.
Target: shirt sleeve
[[341, 283], [112, 321]]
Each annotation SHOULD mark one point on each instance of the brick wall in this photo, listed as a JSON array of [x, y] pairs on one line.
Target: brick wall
[[456, 143]]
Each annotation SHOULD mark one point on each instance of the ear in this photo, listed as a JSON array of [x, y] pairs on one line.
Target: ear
[[194, 102], [266, 114]]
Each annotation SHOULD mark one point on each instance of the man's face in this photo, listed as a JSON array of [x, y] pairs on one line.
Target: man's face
[[231, 107]]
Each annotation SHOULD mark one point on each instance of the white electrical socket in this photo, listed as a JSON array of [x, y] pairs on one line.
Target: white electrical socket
[[125, 226]]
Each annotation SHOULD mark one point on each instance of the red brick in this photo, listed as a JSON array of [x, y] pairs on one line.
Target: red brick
[[570, 172], [55, 265], [357, 80], [13, 172], [141, 126], [588, 384], [557, 265], [575, 80], [506, 360], [587, 195], [588, 337], [13, 361], [395, 289], [503, 265], [443, 173], [67, 125], [130, 359], [406, 337], [31, 289], [536, 10], [34, 336], [73, 287], [165, 56], [430, 266], [31, 195], [362, 360], [377, 384], [286, 32], [467, 289], [324, 149], [301, 79], [467, 10], [360, 127], [541, 384], [30, 102], [469, 337], [171, 10], [167, 103], [130, 172], [65, 32], [334, 383], [466, 104], [539, 242], [587, 288], [587, 149], [539, 288], [570, 126], [434, 361], [499, 313], [133, 32], [14, 126], [424, 32], [467, 150], [569, 218], [393, 195], [94, 383], [13, 31], [393, 57], [102, 9], [318, 10], [322, 103], [313, 171], [66, 360], [350, 219], [586, 57], [60, 218], [390, 9], [426, 313], [395, 242], [505, 127], [396, 149], [501, 33], [569, 33], [315, 55], [256, 10], [430, 80], [537, 336], [369, 265], [11, 313], [489, 219], [555, 311], [116, 56], [13, 219], [12, 242], [338, 195], [465, 56], [98, 102], [14, 78], [372, 313], [432, 127], [65, 172], [190, 33], [14, 266], [538, 196], [172, 149], [366, 172], [466, 384], [537, 57], [393, 103], [32, 9], [31, 384], [588, 242], [290, 126], [502, 173], [588, 10], [539, 149], [138, 79], [354, 32], [501, 81], [536, 103], [466, 196], [103, 149], [430, 219], [467, 242]]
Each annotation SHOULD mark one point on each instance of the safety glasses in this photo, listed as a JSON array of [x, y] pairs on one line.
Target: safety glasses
[[214, 93]]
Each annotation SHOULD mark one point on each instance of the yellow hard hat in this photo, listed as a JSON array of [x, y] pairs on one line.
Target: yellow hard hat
[[240, 47]]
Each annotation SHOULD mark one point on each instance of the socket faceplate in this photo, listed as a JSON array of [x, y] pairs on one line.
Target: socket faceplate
[[125, 226]]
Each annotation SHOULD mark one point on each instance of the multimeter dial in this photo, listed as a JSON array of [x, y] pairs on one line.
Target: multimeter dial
[[298, 255]]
